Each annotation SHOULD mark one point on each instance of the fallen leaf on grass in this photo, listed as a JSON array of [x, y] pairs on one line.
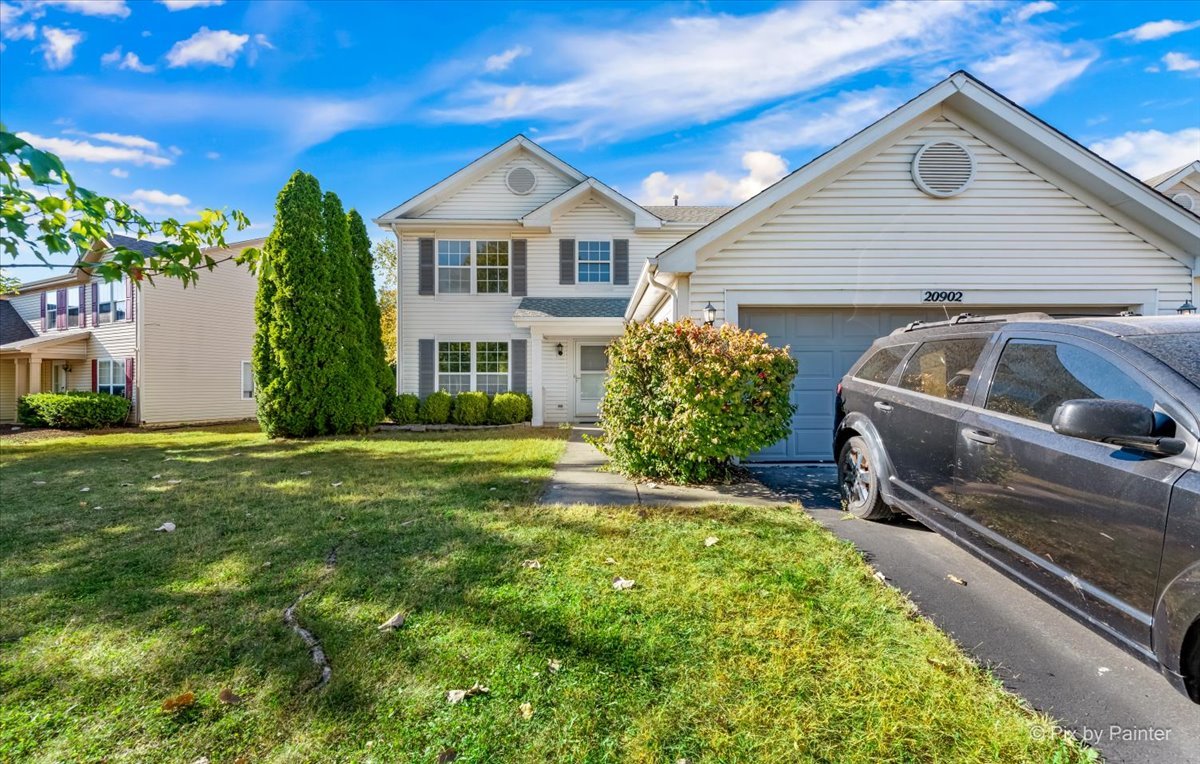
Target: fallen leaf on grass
[[229, 697], [609, 561], [880, 576], [335, 485], [155, 477], [620, 584], [239, 453], [447, 755], [458, 696], [83, 503], [85, 489], [955, 579], [179, 702], [201, 760], [711, 540], [554, 665], [39, 482], [532, 565], [168, 527], [526, 710], [127, 485], [306, 472], [407, 522], [175, 481], [394, 622]]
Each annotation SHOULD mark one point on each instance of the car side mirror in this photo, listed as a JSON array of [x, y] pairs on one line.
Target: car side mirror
[[1121, 423]]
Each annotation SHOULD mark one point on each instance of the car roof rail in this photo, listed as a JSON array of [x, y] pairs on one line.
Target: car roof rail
[[971, 318]]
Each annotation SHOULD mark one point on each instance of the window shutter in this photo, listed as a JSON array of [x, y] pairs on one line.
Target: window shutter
[[129, 296], [520, 282], [60, 311], [566, 261], [425, 370], [425, 266], [621, 261], [82, 306], [95, 303], [43, 311], [95, 375], [129, 378], [517, 362]]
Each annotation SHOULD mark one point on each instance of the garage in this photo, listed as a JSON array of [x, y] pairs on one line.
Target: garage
[[825, 342]]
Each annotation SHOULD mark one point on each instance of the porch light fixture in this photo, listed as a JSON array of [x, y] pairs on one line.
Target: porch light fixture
[[1187, 309], [558, 348], [710, 314]]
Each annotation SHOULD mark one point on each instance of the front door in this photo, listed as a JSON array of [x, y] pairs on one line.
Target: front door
[[58, 378], [591, 370]]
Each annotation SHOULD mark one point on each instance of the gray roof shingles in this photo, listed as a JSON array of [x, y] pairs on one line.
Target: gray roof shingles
[[12, 327], [571, 307], [697, 215], [142, 246]]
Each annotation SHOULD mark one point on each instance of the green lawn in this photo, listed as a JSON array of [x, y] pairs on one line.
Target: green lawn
[[774, 644]]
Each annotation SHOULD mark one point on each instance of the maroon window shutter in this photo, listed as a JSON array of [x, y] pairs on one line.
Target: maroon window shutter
[[95, 375], [129, 378], [61, 310], [129, 294], [43, 311], [95, 304], [82, 306]]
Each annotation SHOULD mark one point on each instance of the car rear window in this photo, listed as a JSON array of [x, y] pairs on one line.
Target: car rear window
[[943, 368], [880, 366], [1179, 351]]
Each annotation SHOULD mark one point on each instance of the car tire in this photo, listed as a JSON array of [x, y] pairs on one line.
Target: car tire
[[858, 482]]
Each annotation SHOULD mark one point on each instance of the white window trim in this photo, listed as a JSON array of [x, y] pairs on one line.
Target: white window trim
[[113, 365], [612, 256], [242, 382], [474, 240], [74, 295], [114, 296], [473, 342]]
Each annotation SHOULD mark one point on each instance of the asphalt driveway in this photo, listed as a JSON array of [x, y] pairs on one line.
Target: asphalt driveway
[[1095, 689]]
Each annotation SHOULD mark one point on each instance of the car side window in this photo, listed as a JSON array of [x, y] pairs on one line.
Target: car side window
[[880, 366], [943, 368], [1033, 377]]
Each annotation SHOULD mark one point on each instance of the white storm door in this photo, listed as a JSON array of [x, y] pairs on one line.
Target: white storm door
[[591, 370]]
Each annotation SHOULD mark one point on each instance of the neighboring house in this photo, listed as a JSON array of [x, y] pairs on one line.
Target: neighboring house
[[958, 201], [180, 355], [1182, 185], [514, 274]]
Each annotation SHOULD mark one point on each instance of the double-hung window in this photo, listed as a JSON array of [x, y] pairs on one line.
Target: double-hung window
[[73, 307], [51, 309], [111, 377], [595, 262], [454, 267], [491, 267], [247, 381], [480, 366], [112, 303]]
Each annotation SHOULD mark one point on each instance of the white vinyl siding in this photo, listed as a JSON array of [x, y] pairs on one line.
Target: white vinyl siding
[[488, 198], [8, 390]]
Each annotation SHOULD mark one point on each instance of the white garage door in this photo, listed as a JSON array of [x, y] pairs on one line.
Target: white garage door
[[825, 343]]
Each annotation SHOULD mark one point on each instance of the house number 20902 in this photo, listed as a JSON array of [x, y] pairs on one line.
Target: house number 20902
[[941, 296]]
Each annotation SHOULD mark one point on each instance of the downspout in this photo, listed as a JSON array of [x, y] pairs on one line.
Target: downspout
[[650, 272]]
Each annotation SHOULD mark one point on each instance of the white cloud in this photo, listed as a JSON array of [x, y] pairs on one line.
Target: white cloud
[[1034, 70], [817, 123], [502, 61], [69, 149], [218, 47], [157, 198], [26, 31], [117, 172], [261, 41], [762, 169], [1150, 152], [128, 61], [1180, 62], [59, 46], [1029, 10], [116, 8], [183, 5], [9, 13], [130, 141], [212, 155], [1157, 30]]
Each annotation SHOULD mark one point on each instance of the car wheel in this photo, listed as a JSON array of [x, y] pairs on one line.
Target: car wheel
[[858, 482]]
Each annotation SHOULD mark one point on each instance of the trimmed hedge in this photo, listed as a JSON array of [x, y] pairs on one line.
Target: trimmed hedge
[[435, 409], [404, 408], [682, 400], [470, 408], [510, 408], [73, 410]]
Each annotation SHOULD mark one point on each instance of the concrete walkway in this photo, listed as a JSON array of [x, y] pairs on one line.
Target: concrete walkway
[[578, 479]]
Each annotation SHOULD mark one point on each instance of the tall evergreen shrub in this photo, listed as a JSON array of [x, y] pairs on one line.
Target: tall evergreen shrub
[[360, 248]]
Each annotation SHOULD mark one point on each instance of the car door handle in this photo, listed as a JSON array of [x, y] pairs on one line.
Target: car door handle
[[979, 437], [884, 407]]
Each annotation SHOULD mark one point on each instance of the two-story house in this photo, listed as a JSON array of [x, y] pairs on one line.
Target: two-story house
[[514, 274], [180, 355]]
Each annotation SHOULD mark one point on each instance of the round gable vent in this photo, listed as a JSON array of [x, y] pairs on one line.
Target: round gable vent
[[520, 180], [1187, 201], [943, 168]]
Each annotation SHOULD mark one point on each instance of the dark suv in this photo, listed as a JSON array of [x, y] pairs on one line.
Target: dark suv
[[1064, 451]]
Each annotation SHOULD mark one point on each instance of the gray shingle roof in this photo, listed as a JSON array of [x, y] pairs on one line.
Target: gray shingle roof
[[698, 215], [571, 307], [12, 327], [142, 246]]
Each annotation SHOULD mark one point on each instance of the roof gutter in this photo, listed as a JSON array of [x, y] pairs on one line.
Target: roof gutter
[[651, 269]]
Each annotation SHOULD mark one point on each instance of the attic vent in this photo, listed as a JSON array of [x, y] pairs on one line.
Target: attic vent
[[520, 180], [943, 168], [1187, 201]]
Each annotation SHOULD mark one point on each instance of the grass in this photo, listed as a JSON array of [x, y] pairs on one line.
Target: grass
[[775, 644]]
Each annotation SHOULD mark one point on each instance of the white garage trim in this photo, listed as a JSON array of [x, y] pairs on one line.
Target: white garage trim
[[1143, 301]]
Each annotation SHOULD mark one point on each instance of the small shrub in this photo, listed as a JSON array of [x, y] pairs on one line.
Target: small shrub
[[682, 400], [73, 410], [404, 408], [509, 408], [435, 409], [470, 408]]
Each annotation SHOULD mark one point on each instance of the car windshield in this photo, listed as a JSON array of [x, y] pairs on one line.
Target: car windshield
[[1179, 351]]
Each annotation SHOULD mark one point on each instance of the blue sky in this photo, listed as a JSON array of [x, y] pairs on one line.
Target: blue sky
[[181, 105]]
